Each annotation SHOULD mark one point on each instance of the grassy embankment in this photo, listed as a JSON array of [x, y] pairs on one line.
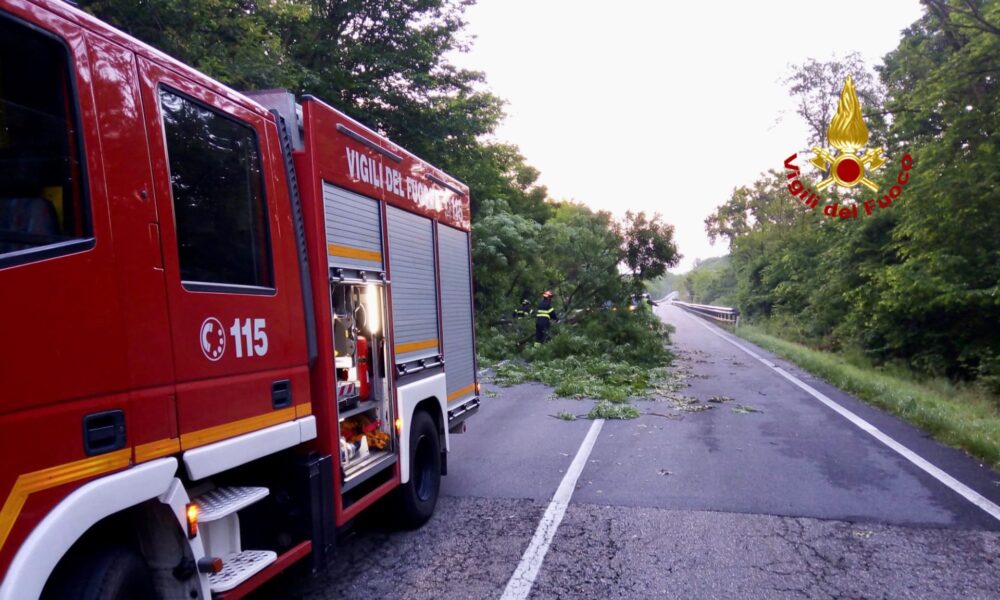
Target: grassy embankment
[[959, 416]]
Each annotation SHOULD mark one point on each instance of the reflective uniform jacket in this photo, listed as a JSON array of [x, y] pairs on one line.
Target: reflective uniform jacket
[[545, 311]]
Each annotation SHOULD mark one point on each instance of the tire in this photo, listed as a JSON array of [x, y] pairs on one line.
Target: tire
[[418, 497], [110, 573]]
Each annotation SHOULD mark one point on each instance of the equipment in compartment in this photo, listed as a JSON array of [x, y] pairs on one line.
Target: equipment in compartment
[[362, 428], [352, 354], [364, 410], [364, 378], [344, 325]]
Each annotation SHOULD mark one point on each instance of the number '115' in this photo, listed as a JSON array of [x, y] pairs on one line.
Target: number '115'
[[253, 337]]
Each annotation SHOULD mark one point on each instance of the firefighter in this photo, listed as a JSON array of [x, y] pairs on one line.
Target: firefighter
[[523, 311], [544, 316]]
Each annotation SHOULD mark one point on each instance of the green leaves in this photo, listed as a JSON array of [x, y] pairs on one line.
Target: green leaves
[[648, 244], [581, 377], [575, 252], [507, 255]]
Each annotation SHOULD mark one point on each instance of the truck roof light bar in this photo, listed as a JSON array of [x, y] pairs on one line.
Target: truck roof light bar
[[368, 143], [444, 183]]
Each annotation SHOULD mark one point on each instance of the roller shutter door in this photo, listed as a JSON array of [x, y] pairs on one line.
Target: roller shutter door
[[413, 285], [456, 310], [353, 230]]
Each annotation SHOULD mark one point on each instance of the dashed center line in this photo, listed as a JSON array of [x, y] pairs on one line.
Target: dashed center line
[[524, 576], [955, 485]]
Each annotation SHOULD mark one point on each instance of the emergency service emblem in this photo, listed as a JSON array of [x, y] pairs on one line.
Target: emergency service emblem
[[846, 164], [213, 339], [848, 134]]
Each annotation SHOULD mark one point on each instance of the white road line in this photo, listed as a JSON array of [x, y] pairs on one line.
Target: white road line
[[957, 486], [524, 576]]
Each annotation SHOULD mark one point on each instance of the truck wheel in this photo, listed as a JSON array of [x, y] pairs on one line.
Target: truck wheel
[[113, 573], [418, 496]]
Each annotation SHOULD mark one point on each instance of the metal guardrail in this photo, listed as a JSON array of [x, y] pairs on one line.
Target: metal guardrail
[[725, 314]]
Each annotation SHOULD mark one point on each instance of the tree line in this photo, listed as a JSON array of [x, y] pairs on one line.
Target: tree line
[[917, 282]]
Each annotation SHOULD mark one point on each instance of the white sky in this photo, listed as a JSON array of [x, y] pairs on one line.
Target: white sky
[[662, 106]]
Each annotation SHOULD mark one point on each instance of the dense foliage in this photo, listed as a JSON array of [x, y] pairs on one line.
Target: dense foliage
[[576, 253], [918, 282], [579, 255]]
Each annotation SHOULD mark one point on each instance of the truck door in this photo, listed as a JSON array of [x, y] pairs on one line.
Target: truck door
[[151, 419], [229, 260]]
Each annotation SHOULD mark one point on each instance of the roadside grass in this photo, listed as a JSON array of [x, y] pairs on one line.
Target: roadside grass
[[958, 416]]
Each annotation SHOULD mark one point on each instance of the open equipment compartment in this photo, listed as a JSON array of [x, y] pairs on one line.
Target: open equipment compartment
[[365, 413]]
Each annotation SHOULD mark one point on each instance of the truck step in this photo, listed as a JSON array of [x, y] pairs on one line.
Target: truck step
[[223, 501], [237, 568]]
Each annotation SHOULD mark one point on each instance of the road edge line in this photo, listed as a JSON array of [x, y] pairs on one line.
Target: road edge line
[[923, 464], [520, 583]]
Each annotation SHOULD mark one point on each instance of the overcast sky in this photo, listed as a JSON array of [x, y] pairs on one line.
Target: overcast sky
[[663, 106]]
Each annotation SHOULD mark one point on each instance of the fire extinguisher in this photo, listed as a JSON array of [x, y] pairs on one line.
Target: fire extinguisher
[[364, 386]]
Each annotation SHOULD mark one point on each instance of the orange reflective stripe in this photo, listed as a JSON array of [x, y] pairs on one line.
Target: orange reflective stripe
[[235, 428], [414, 346], [351, 252], [459, 393], [144, 452], [51, 477], [44, 479]]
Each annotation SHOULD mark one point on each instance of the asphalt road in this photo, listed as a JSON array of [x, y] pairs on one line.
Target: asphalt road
[[741, 485]]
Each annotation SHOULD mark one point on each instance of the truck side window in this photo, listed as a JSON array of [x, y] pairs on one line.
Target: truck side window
[[218, 193], [42, 200]]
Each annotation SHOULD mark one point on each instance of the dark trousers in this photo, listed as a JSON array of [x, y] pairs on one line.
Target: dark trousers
[[542, 329]]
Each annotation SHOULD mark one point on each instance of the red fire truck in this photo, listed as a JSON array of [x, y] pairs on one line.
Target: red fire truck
[[229, 322]]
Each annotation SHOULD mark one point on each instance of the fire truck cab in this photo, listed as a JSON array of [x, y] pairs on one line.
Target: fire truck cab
[[228, 322]]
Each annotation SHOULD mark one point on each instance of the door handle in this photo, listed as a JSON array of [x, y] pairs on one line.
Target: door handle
[[103, 432], [281, 394]]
